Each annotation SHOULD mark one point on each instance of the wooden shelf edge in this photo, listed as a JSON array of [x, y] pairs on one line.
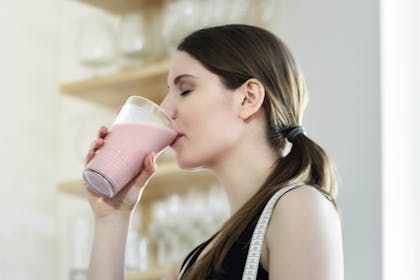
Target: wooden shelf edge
[[120, 6], [154, 274], [112, 90], [140, 73]]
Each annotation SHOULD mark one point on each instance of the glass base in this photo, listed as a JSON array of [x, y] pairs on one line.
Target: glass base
[[98, 183]]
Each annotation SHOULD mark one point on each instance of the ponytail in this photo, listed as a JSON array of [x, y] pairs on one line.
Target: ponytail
[[308, 163], [305, 163]]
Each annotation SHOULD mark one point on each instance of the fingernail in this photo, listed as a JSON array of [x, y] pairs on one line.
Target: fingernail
[[154, 161]]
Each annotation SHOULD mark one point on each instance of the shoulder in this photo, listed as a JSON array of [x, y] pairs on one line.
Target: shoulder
[[304, 198], [302, 208], [305, 231]]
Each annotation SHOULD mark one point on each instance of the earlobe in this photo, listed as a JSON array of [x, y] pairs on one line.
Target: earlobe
[[252, 94]]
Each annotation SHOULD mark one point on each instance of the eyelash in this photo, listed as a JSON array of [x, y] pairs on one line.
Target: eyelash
[[185, 92]]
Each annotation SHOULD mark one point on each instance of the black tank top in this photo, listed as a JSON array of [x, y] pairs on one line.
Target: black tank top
[[234, 262]]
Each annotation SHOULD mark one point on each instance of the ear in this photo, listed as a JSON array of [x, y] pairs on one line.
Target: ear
[[249, 99]]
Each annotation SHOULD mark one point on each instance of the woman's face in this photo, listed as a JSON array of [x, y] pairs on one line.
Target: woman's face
[[203, 111]]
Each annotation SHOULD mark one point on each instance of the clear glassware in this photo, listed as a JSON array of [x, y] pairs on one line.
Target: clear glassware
[[95, 44], [196, 217], [205, 19], [133, 40], [180, 223], [170, 30], [132, 258], [219, 11], [217, 198], [140, 127], [266, 11], [179, 18], [158, 232], [238, 10], [190, 12], [144, 253]]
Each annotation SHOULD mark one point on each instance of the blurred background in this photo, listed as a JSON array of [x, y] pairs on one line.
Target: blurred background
[[66, 65]]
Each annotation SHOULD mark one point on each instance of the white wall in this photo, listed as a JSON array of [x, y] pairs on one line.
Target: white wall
[[79, 121], [400, 55], [337, 45], [28, 114]]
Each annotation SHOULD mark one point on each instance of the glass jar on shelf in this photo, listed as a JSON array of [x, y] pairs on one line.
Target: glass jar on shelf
[[134, 40], [95, 45]]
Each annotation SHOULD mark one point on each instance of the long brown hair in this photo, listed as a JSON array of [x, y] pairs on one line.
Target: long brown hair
[[237, 53]]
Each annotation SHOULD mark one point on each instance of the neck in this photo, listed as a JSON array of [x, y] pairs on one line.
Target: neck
[[244, 170]]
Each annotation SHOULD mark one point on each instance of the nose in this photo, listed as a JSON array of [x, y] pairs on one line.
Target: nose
[[168, 106]]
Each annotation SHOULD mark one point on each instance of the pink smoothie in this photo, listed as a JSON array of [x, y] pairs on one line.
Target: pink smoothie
[[121, 157]]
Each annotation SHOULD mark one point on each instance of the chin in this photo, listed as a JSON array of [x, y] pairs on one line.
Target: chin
[[189, 164]]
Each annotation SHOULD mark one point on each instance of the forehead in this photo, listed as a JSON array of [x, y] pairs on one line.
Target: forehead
[[184, 64]]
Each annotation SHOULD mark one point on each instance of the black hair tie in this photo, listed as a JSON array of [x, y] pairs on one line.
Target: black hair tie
[[290, 136]]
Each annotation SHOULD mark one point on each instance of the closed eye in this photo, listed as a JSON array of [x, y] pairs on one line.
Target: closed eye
[[185, 92]]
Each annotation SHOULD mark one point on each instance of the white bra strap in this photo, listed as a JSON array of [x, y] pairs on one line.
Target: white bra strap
[[257, 240]]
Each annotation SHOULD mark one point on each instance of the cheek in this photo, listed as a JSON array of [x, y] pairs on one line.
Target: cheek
[[215, 122], [212, 132]]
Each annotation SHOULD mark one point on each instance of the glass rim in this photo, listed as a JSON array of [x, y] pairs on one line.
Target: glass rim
[[155, 106]]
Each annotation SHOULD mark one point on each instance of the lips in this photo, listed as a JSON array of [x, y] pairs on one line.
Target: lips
[[176, 139]]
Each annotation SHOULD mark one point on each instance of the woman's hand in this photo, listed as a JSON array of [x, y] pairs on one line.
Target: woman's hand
[[125, 201]]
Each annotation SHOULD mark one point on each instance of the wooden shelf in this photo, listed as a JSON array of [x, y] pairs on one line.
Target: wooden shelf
[[120, 6], [155, 274], [112, 90], [169, 179]]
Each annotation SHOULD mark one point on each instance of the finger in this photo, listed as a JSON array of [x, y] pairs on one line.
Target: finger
[[96, 144], [89, 156], [150, 162], [93, 147], [99, 143], [102, 132], [147, 172]]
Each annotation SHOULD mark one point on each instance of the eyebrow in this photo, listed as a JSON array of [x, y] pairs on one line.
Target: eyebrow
[[178, 78]]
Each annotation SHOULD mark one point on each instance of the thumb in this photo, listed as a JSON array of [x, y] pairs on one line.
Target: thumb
[[148, 170]]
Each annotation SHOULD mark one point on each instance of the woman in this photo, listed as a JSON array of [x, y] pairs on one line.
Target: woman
[[237, 98]]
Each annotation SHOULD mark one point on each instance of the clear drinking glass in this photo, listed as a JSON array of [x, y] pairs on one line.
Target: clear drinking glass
[[140, 127]]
